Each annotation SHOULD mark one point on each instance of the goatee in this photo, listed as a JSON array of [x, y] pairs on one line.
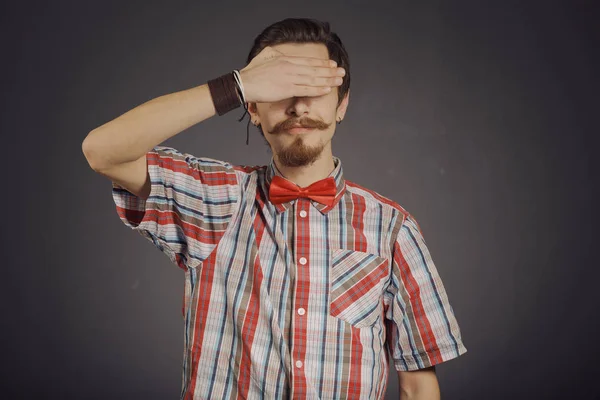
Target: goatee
[[298, 154]]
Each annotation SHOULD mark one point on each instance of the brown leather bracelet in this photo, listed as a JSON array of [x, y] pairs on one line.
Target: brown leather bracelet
[[224, 93]]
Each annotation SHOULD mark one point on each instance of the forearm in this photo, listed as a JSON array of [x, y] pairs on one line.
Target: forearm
[[429, 392], [419, 384], [131, 135]]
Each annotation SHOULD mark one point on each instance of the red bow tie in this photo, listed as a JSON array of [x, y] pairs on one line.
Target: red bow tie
[[282, 190]]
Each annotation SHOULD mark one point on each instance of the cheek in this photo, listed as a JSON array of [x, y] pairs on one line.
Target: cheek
[[331, 103], [265, 112]]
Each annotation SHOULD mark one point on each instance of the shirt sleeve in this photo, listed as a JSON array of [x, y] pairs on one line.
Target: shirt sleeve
[[420, 323], [191, 203]]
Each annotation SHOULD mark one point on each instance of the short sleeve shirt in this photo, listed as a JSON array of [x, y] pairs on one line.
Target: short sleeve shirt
[[294, 300]]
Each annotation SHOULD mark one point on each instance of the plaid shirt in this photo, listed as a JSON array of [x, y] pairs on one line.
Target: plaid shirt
[[294, 300]]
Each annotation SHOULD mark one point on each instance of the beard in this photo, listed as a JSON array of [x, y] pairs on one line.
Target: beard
[[298, 154]]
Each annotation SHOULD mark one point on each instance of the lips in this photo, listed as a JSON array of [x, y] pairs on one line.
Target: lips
[[298, 129]]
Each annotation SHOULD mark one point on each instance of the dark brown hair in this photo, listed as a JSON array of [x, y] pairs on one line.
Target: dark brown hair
[[306, 30]]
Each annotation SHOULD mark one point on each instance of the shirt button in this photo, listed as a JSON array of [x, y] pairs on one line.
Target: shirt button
[[299, 364], [301, 311], [303, 213], [302, 260]]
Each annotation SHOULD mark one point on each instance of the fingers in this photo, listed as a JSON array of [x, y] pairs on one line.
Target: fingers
[[310, 61], [297, 69], [303, 91], [310, 80], [315, 80]]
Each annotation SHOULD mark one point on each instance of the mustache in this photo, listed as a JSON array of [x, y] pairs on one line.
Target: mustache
[[305, 123]]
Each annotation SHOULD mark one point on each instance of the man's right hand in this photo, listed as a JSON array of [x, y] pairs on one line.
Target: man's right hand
[[272, 76]]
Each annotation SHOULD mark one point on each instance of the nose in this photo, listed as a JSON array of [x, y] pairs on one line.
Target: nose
[[299, 106]]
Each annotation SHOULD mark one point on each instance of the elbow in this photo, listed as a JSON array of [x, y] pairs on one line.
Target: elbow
[[90, 153]]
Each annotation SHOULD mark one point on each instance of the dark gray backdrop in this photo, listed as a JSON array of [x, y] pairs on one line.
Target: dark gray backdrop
[[477, 117]]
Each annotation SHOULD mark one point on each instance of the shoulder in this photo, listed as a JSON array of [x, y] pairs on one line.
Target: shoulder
[[250, 173], [249, 169], [374, 199]]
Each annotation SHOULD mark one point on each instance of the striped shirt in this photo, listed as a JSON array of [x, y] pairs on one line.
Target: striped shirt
[[295, 300]]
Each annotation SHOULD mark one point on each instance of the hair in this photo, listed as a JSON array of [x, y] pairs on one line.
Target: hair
[[306, 30]]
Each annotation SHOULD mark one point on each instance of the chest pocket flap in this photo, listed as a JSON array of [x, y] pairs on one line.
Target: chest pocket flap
[[356, 285]]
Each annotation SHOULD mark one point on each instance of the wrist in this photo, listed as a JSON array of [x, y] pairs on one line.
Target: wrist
[[223, 91], [247, 86]]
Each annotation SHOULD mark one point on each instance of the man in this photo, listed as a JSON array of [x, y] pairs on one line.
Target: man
[[297, 281]]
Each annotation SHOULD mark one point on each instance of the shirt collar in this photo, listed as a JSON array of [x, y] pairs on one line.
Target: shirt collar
[[337, 174]]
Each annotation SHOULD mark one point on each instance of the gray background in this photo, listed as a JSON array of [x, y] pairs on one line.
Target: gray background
[[477, 117]]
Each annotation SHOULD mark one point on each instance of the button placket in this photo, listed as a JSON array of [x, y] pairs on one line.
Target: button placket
[[302, 296]]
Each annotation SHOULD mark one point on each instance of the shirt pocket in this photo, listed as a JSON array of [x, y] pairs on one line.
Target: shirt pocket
[[356, 286]]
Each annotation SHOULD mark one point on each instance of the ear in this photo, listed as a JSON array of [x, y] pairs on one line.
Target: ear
[[252, 109], [341, 110]]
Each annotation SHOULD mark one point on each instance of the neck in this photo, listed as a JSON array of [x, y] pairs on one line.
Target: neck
[[308, 174]]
